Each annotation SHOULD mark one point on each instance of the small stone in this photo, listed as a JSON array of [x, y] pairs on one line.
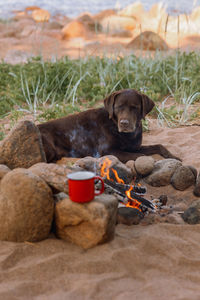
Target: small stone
[[163, 199], [182, 178], [22, 147], [174, 218], [87, 163], [144, 165], [3, 171], [129, 216], [113, 163], [162, 172], [131, 165], [26, 207], [194, 171], [192, 214], [89, 224], [197, 187]]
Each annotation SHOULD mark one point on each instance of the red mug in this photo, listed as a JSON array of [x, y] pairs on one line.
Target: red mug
[[81, 186]]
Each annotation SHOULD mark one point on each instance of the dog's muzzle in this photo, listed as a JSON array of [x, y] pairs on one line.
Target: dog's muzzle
[[125, 126]]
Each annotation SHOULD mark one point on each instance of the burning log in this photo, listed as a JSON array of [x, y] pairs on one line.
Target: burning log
[[131, 194], [131, 197]]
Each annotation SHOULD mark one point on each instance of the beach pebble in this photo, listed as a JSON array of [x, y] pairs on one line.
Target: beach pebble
[[144, 165], [26, 207], [22, 147], [192, 214], [88, 224], [182, 178], [162, 172]]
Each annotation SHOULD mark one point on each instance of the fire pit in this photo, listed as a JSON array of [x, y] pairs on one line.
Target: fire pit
[[130, 195]]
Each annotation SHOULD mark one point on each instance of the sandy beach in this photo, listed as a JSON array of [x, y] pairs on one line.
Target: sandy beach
[[159, 261], [154, 262]]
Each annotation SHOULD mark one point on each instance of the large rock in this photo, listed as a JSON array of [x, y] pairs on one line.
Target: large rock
[[54, 175], [104, 14], [86, 225], [182, 178], [22, 147], [192, 214], [26, 207], [88, 20], [195, 15], [74, 29], [162, 172], [144, 165], [135, 10], [157, 10], [148, 40], [40, 15], [3, 171], [116, 24]]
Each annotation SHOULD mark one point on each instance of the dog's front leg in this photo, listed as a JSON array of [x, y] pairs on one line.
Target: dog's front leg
[[157, 149]]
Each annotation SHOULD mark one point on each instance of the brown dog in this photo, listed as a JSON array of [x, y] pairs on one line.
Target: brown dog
[[115, 129]]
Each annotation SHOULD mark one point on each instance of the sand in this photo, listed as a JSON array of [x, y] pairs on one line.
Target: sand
[[159, 261]]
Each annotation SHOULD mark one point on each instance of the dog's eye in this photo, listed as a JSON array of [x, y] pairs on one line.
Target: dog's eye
[[119, 107]]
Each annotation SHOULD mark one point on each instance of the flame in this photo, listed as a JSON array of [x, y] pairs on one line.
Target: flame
[[119, 180], [136, 203], [105, 172]]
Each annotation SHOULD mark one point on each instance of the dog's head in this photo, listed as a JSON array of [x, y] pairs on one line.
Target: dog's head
[[127, 107]]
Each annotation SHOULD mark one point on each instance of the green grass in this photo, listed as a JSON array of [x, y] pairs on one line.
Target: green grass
[[53, 89]]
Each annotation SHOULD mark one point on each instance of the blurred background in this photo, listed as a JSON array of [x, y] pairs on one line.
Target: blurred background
[[74, 8]]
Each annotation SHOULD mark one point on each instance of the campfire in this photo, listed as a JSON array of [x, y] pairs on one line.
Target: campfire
[[131, 195]]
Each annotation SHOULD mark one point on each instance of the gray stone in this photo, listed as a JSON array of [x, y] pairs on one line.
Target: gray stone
[[197, 187], [86, 225], [54, 175], [113, 163], [26, 207], [162, 172], [87, 163], [194, 171], [192, 214], [182, 178], [131, 165], [144, 165], [22, 147]]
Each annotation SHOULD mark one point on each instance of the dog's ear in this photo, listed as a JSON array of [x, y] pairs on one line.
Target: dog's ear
[[109, 103], [147, 105]]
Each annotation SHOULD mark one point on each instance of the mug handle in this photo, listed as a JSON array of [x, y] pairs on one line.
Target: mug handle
[[102, 186]]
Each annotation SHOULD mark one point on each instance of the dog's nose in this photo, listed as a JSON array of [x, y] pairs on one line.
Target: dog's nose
[[124, 122]]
